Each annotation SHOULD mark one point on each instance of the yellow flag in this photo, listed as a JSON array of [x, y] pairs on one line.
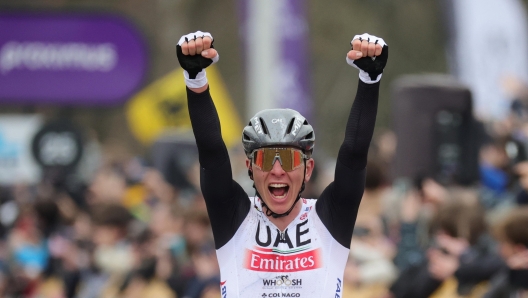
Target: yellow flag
[[162, 107]]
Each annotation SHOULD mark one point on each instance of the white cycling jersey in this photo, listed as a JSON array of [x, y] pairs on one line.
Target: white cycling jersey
[[304, 260]]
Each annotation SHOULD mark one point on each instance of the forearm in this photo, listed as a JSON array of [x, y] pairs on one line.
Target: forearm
[[360, 127], [206, 127]]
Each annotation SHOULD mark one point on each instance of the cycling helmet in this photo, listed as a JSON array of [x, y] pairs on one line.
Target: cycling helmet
[[278, 127], [282, 127]]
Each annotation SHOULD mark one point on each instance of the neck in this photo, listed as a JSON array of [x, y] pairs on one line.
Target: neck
[[282, 222]]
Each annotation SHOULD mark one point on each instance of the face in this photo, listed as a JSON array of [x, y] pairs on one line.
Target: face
[[279, 188], [508, 249]]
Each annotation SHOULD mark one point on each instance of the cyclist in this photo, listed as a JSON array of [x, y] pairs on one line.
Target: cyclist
[[276, 244]]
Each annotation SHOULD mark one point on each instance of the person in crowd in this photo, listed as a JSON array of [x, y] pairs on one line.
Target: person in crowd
[[410, 217], [111, 256], [512, 234], [370, 267], [461, 257], [206, 271]]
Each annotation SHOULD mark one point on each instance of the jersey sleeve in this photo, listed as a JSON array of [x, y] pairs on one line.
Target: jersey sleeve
[[339, 203], [227, 203]]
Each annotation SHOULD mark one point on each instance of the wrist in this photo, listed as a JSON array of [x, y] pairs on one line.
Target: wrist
[[365, 77], [197, 83], [199, 90]]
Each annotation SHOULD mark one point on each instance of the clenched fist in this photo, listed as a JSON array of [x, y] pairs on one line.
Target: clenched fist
[[369, 54], [195, 52]]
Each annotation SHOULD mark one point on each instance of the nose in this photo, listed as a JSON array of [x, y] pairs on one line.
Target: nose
[[277, 169]]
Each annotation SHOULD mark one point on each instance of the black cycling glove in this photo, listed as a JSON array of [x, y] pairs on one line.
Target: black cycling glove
[[371, 68]]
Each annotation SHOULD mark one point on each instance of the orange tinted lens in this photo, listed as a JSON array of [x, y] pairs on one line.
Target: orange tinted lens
[[297, 158], [258, 158], [270, 156], [288, 158]]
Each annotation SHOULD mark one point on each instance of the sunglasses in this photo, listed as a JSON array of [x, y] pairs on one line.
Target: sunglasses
[[289, 158]]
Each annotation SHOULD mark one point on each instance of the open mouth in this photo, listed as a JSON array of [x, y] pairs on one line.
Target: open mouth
[[278, 190]]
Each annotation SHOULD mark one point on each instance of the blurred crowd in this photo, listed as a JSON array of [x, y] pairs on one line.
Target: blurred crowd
[[131, 229], [126, 232], [416, 237]]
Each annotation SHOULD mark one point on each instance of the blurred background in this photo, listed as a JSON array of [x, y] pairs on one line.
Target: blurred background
[[99, 186]]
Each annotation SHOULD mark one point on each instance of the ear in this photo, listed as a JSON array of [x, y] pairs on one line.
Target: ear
[[310, 163], [250, 169]]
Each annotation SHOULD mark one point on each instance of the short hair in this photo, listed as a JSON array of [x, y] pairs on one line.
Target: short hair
[[461, 220], [375, 177], [514, 228], [110, 214]]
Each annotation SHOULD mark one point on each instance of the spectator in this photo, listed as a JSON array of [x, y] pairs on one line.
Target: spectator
[[207, 272], [459, 259], [512, 234], [111, 257], [371, 252], [419, 205]]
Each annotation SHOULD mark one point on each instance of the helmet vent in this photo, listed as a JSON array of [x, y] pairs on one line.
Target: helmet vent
[[290, 126], [309, 136], [246, 137], [305, 122], [264, 127]]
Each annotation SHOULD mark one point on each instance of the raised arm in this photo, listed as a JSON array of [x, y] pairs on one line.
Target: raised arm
[[339, 202], [227, 203]]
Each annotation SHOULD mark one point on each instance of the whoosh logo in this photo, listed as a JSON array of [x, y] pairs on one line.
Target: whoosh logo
[[282, 280], [266, 261]]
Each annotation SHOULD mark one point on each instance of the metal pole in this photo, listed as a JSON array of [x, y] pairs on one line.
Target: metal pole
[[263, 50]]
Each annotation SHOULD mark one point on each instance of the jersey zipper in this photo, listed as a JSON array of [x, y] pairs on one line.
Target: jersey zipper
[[282, 237]]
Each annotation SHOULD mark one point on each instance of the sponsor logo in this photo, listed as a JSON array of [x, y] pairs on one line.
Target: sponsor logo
[[58, 56], [223, 289], [264, 295], [265, 260], [257, 125], [338, 289], [282, 281], [303, 217], [301, 236], [296, 126]]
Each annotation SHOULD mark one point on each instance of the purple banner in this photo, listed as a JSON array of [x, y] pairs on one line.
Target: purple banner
[[69, 59], [290, 80], [292, 77]]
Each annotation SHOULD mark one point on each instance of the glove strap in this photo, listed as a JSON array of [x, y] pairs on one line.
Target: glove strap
[[363, 75], [198, 82]]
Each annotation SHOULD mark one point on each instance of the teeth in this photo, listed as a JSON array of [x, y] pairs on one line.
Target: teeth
[[278, 185]]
